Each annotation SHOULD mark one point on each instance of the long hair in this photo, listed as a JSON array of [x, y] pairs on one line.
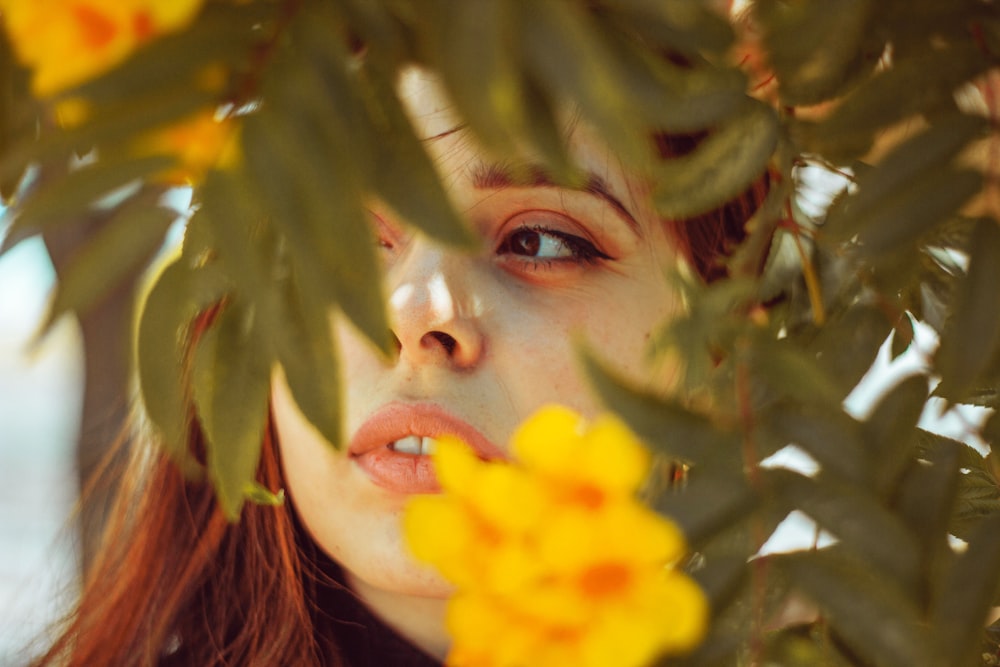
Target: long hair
[[176, 584]]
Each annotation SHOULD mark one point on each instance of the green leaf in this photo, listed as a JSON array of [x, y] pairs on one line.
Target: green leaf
[[724, 165], [709, 502], [863, 525], [966, 596], [675, 98], [847, 344], [793, 372], [127, 241], [18, 113], [902, 336], [972, 336], [178, 295], [565, 51], [925, 498], [109, 130], [318, 211], [688, 27], [231, 375], [721, 579], [261, 495], [833, 438], [814, 48], [307, 353], [912, 85], [896, 174], [66, 198], [890, 431], [405, 177], [874, 619], [486, 89], [666, 427], [221, 35]]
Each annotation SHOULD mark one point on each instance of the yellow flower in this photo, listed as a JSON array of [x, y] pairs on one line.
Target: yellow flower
[[201, 142], [67, 42], [555, 561]]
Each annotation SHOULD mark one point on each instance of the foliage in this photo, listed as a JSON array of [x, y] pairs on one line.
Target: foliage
[[279, 236]]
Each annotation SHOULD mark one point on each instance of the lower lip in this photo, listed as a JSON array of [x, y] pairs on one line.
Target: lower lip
[[403, 473], [398, 472]]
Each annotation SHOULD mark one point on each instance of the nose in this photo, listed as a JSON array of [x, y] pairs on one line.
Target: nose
[[434, 309]]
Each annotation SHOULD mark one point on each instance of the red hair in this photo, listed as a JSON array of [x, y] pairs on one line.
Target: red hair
[[175, 583]]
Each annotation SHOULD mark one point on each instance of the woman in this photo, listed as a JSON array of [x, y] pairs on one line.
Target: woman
[[483, 338]]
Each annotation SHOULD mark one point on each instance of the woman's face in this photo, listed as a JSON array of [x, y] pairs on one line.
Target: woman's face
[[485, 338]]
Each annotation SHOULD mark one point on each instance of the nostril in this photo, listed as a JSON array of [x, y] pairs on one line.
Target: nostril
[[447, 341]]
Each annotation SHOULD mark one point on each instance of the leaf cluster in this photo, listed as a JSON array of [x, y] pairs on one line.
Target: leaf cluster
[[281, 242]]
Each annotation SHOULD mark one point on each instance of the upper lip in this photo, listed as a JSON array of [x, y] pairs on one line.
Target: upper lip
[[398, 420]]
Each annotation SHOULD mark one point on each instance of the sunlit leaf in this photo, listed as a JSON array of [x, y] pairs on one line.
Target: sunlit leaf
[[231, 378], [568, 55], [405, 177], [68, 197], [128, 240], [487, 89], [177, 296], [308, 356]]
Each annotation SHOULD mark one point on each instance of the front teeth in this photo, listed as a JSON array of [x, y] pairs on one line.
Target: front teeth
[[414, 444]]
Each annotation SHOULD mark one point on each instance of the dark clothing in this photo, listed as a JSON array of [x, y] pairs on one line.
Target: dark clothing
[[361, 638]]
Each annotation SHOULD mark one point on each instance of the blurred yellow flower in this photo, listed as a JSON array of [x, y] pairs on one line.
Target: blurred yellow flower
[[555, 561], [67, 42], [201, 142]]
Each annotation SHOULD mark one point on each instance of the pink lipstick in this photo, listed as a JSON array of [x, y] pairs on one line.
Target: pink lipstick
[[393, 446]]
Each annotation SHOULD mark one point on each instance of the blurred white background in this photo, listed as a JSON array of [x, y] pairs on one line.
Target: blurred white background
[[40, 399]]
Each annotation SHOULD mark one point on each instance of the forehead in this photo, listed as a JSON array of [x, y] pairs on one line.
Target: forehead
[[438, 124]]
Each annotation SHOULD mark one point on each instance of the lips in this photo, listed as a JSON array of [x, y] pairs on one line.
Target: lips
[[392, 447]]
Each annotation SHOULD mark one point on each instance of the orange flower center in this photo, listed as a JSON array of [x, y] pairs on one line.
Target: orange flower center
[[587, 495], [605, 579], [142, 25], [96, 28]]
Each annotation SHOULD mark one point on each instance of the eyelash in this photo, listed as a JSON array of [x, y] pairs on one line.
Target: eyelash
[[582, 251]]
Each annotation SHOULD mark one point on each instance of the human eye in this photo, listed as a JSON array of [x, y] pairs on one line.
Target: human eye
[[546, 239]]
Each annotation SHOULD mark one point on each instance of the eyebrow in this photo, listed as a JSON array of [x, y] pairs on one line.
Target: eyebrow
[[493, 176]]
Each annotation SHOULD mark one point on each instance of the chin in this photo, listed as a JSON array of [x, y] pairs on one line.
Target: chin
[[383, 562]]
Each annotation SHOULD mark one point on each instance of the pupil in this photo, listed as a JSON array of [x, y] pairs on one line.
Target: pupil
[[526, 242]]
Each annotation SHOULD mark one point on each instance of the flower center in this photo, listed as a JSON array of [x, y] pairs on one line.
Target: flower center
[[605, 579]]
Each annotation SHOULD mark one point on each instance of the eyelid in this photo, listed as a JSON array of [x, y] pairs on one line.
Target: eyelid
[[554, 221], [386, 231]]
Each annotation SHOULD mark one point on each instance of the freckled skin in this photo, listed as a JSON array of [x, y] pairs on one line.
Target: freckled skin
[[513, 320]]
